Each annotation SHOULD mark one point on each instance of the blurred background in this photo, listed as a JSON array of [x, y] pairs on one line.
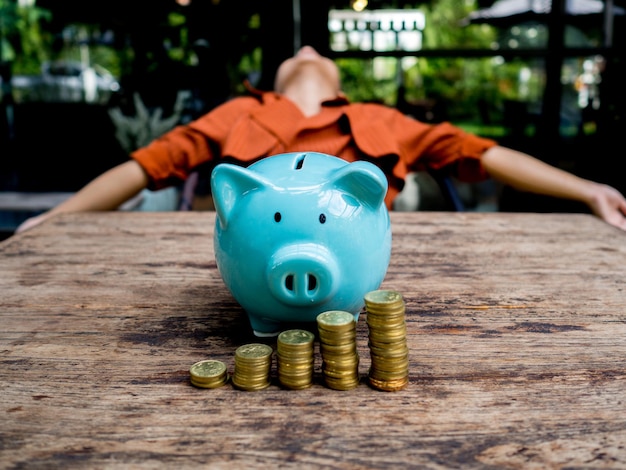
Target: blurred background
[[84, 83]]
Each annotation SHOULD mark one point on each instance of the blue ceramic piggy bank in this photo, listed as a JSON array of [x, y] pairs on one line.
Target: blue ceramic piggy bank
[[298, 234]]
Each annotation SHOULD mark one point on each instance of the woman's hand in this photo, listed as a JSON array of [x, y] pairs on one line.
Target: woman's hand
[[32, 222], [609, 204]]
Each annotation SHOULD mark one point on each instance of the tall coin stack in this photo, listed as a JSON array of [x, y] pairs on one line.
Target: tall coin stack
[[294, 354], [253, 363], [340, 359], [389, 353]]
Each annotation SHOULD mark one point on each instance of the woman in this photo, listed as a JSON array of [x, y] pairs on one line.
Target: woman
[[308, 112]]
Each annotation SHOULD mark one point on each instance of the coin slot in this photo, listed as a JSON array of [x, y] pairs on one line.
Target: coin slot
[[299, 163], [311, 282]]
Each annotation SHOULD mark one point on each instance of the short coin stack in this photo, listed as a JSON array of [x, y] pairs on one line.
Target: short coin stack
[[253, 363], [294, 354], [389, 352], [340, 359], [208, 374]]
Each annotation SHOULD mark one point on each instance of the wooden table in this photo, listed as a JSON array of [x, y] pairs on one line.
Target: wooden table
[[516, 328]]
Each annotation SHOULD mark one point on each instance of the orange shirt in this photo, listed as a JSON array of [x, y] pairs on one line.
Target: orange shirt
[[246, 129]]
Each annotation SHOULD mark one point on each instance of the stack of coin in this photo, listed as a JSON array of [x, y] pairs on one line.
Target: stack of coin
[[389, 353], [340, 359], [208, 374], [253, 363], [294, 354]]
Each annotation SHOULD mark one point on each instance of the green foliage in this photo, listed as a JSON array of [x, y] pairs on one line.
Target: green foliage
[[474, 91], [463, 84], [360, 84], [22, 39], [444, 19]]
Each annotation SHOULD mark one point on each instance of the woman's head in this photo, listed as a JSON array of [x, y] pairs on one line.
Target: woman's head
[[304, 65]]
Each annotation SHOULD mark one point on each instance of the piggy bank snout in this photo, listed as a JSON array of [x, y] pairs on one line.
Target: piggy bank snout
[[302, 274]]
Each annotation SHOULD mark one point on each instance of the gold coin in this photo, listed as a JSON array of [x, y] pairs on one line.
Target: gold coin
[[381, 339], [342, 384], [389, 385], [383, 297], [296, 337], [389, 364], [295, 384], [386, 322], [250, 387], [383, 311], [301, 356], [341, 361], [338, 336], [209, 384], [335, 318], [243, 364], [389, 371], [253, 351], [341, 347], [207, 369], [285, 364], [389, 349]]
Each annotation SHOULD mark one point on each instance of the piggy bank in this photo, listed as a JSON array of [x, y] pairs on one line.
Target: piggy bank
[[298, 234]]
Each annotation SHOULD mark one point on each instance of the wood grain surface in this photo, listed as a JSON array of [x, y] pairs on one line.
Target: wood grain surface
[[516, 327]]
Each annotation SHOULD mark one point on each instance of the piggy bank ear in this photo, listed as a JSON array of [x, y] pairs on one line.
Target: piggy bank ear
[[229, 183], [364, 181]]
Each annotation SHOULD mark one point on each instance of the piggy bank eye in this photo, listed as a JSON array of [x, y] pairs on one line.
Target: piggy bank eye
[[277, 217], [322, 218]]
